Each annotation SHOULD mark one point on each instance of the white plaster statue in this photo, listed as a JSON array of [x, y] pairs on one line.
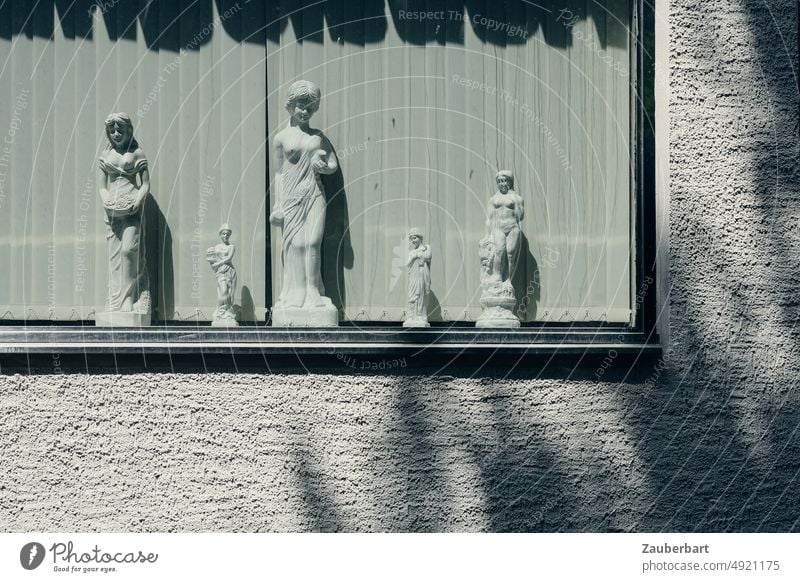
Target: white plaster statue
[[220, 258], [419, 280], [302, 154], [499, 253], [124, 185]]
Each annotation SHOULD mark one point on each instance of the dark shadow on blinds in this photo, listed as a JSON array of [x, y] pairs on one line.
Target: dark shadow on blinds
[[185, 25], [336, 242]]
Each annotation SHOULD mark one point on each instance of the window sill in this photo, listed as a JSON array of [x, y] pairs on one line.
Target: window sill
[[372, 340]]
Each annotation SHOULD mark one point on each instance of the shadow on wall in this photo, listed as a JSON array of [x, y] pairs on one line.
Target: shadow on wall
[[718, 422], [425, 481], [525, 489], [518, 485], [778, 168], [172, 26], [320, 511]]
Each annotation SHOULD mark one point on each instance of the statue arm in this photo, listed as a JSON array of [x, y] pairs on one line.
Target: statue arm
[[225, 257], [333, 163], [489, 215], [427, 254], [520, 208], [276, 218], [144, 189], [279, 161], [102, 180]]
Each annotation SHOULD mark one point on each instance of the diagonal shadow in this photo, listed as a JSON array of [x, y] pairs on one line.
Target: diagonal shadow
[[720, 428]]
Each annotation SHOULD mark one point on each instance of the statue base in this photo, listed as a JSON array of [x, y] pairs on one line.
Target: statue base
[[321, 316], [419, 322], [121, 319], [497, 307], [224, 323], [497, 316]]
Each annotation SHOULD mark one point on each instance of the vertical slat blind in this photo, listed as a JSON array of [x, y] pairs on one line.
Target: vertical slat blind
[[196, 95], [423, 112]]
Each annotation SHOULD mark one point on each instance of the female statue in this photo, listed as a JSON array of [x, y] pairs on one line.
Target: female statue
[[124, 185], [220, 257], [499, 253], [419, 280], [302, 154], [505, 211]]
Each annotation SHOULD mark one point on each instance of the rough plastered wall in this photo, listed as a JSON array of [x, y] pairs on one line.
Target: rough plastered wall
[[730, 447], [705, 439], [317, 452]]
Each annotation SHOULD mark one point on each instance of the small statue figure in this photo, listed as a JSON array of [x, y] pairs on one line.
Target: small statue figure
[[419, 280], [499, 252], [220, 257], [124, 185], [302, 154]]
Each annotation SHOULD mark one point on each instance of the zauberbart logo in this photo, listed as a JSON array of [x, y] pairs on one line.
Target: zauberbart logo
[[31, 555]]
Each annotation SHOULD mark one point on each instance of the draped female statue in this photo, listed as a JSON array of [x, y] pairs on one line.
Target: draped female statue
[[124, 185], [220, 257], [302, 154], [419, 280]]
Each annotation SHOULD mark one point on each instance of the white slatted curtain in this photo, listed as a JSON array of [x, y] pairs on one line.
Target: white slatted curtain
[[196, 93], [424, 109]]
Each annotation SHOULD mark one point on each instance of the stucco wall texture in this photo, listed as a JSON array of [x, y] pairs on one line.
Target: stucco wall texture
[[705, 439]]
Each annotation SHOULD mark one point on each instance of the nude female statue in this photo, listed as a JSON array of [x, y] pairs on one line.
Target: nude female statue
[[124, 183], [505, 211], [220, 257], [499, 253], [302, 154]]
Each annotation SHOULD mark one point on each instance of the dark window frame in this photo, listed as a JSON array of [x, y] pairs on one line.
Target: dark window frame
[[381, 340]]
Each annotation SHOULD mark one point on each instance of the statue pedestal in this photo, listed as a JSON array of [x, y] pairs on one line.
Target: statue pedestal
[[416, 323], [497, 317], [122, 319], [497, 309], [497, 296], [322, 316], [224, 323]]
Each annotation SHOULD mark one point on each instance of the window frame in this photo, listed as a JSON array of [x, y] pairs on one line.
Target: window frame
[[448, 338]]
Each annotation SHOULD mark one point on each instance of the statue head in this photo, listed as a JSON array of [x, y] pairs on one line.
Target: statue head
[[415, 237], [119, 131], [505, 180], [302, 101], [225, 232]]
